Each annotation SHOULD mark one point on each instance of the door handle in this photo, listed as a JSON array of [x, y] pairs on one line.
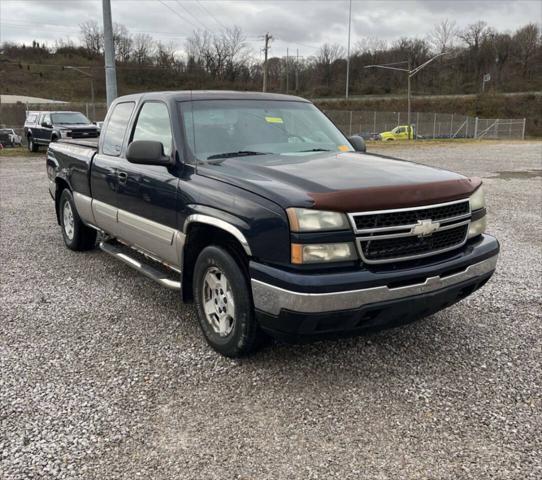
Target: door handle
[[123, 177]]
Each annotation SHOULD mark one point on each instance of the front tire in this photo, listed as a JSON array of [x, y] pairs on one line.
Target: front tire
[[77, 236], [223, 303], [32, 147]]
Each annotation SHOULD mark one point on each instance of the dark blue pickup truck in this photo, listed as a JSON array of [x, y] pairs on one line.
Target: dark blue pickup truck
[[257, 208]]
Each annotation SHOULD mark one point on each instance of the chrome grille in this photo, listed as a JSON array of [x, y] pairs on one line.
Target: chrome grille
[[404, 234]]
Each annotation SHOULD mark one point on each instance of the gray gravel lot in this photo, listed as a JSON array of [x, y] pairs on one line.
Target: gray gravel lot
[[104, 375]]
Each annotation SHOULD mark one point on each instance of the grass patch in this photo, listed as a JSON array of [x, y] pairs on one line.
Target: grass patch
[[20, 152]]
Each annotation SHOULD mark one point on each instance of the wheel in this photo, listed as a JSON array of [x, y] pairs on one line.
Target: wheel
[[33, 147], [224, 305], [77, 236]]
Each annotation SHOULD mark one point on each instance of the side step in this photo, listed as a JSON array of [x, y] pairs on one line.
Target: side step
[[145, 269]]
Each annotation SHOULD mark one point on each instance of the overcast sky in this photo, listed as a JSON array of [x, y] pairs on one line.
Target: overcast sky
[[296, 24]]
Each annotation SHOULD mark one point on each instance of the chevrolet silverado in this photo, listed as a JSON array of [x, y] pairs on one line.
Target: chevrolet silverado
[[258, 209]]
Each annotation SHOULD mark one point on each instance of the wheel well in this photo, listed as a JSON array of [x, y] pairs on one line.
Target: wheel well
[[60, 186], [200, 236]]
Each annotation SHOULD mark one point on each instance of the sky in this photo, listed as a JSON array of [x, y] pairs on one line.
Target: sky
[[296, 25]]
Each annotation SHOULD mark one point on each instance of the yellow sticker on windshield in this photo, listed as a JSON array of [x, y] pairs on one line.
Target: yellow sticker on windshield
[[273, 120], [343, 148]]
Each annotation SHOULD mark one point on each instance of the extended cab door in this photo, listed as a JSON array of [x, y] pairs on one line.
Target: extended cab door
[[104, 180], [147, 194]]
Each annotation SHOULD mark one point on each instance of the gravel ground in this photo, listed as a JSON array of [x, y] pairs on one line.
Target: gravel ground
[[104, 375]]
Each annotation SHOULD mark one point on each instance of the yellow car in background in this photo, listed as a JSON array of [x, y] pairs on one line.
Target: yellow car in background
[[400, 132]]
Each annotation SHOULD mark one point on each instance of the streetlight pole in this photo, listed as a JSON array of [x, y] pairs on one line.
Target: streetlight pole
[[410, 73], [348, 50], [89, 75]]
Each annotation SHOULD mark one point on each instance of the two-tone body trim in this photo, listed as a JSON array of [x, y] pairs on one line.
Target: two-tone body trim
[[151, 238]]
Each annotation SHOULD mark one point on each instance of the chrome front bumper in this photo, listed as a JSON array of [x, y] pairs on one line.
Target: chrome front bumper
[[272, 299]]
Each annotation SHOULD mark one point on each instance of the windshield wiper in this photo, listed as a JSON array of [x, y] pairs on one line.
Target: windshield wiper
[[240, 153], [315, 150]]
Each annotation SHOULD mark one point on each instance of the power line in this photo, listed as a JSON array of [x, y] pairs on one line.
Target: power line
[[178, 14], [189, 13], [218, 22]]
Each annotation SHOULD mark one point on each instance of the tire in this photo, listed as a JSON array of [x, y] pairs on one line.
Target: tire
[[77, 236], [32, 147], [238, 333]]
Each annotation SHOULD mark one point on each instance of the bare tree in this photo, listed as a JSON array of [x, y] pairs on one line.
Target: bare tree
[[223, 55], [474, 34], [527, 40], [122, 41], [92, 37], [443, 36], [370, 45], [326, 58], [143, 48], [165, 55]]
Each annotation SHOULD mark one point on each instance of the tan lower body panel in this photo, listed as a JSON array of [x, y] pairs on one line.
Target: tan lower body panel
[[150, 236], [164, 243]]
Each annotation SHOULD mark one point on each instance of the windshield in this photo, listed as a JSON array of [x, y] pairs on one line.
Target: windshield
[[234, 128], [69, 118]]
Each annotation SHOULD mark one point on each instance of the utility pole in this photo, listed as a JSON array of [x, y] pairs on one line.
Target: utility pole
[[297, 70], [287, 76], [408, 102], [266, 48], [348, 50], [109, 53]]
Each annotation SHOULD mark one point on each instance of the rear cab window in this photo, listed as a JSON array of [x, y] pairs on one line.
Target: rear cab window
[[116, 128], [32, 118]]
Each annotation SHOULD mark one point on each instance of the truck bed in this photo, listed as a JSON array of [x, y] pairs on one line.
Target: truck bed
[[82, 142]]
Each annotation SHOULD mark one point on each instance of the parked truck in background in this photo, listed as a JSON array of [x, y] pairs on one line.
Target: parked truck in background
[[257, 208], [42, 128], [401, 132]]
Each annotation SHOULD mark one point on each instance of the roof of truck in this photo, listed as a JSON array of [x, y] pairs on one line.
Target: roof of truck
[[186, 95]]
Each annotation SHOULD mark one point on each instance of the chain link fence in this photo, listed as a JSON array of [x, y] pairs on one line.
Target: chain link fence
[[369, 124]]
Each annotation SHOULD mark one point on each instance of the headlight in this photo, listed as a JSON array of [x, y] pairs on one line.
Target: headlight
[[323, 252], [477, 203], [477, 200], [477, 227], [307, 220], [64, 133]]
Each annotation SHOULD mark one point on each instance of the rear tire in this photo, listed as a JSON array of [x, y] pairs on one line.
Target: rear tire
[[32, 147], [77, 236], [224, 305]]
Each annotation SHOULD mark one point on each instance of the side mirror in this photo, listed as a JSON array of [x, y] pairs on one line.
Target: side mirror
[[147, 152], [46, 125], [358, 143]]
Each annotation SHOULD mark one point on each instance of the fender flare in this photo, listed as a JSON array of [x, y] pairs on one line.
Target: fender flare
[[222, 224]]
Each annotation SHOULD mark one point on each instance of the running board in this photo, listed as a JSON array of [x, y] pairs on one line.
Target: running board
[[145, 269]]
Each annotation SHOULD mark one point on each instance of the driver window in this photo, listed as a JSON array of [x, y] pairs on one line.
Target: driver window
[[46, 119], [153, 124]]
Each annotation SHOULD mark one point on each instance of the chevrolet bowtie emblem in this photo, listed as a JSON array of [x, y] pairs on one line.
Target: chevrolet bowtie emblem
[[425, 228]]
